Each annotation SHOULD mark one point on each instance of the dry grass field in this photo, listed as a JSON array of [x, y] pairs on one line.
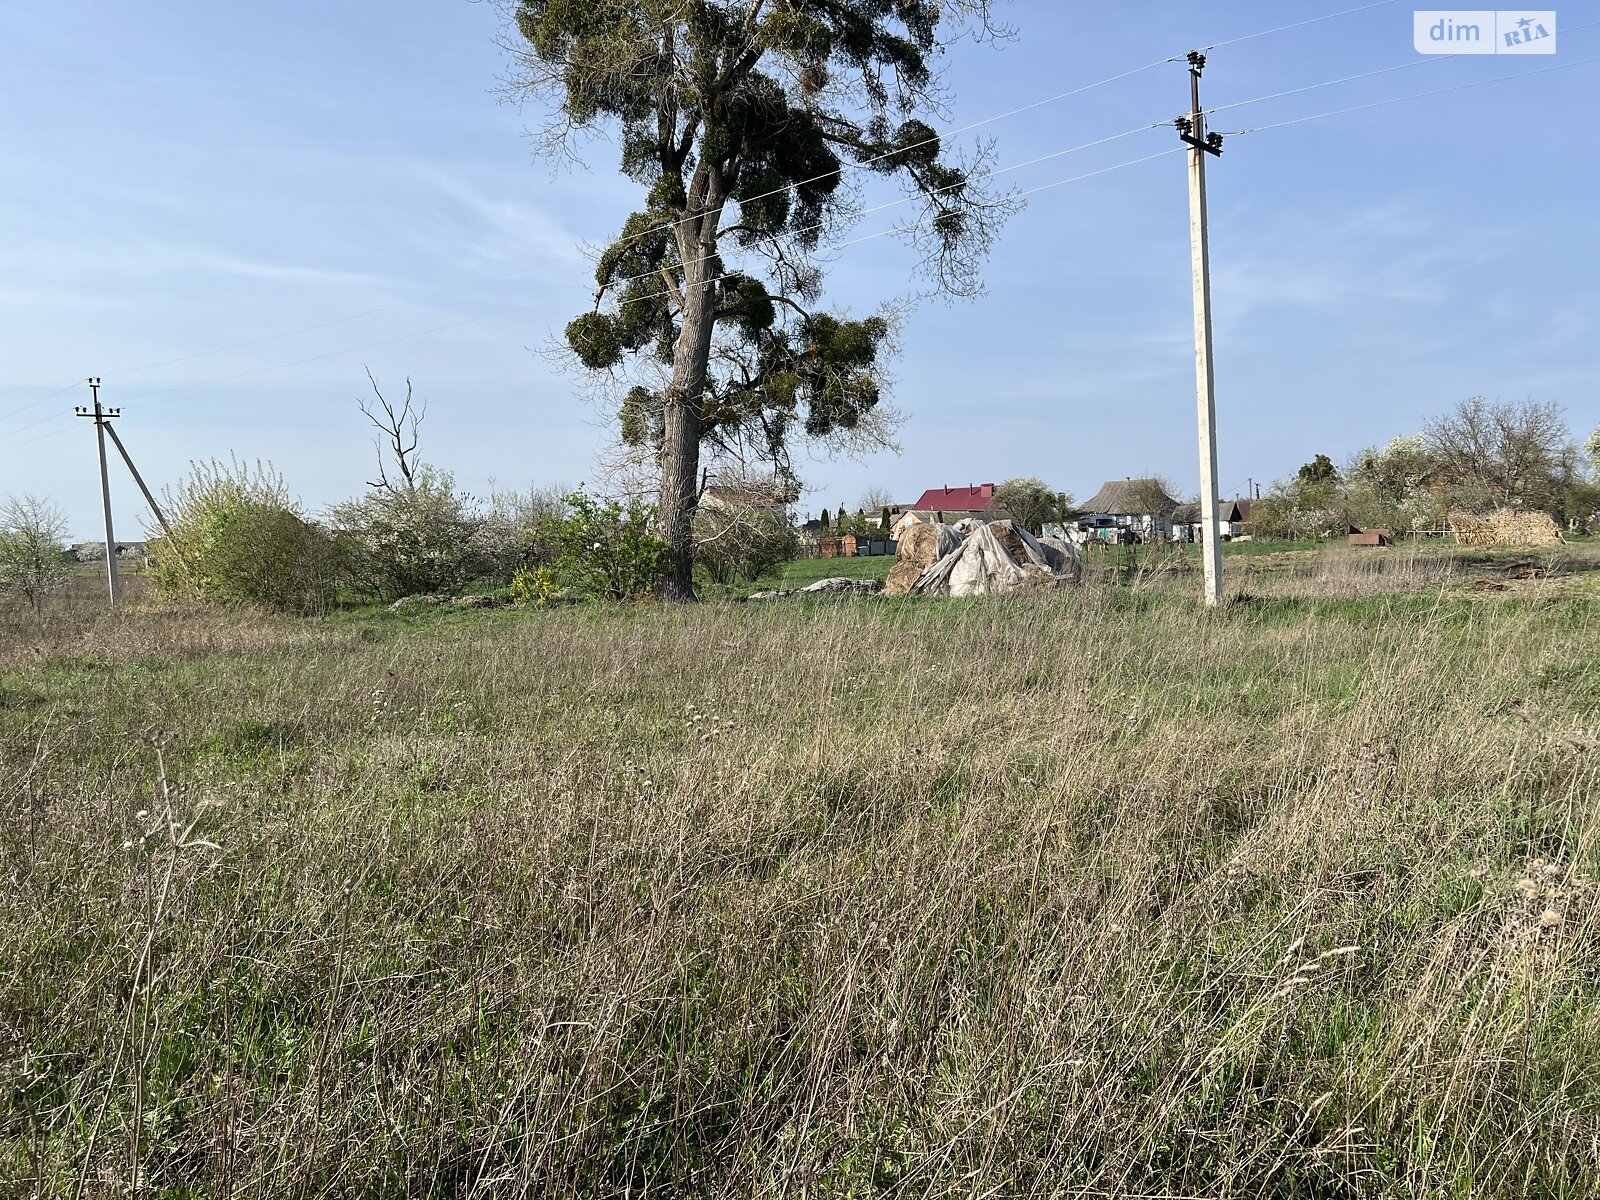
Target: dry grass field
[[1086, 894]]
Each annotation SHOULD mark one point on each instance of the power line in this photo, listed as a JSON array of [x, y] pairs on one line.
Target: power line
[[34, 424], [1459, 87], [1250, 37], [41, 437], [621, 280], [326, 324], [1312, 87], [902, 200], [43, 400], [218, 392], [1032, 162], [184, 387], [852, 165], [1160, 62], [1419, 61], [439, 329], [1009, 113], [657, 229], [925, 219], [1037, 104], [629, 279]]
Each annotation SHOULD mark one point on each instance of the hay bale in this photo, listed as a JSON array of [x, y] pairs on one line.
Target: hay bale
[[1054, 555], [1505, 527], [995, 558], [920, 546], [1015, 541]]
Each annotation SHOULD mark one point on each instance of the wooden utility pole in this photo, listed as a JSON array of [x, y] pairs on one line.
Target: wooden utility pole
[[101, 416], [1192, 129]]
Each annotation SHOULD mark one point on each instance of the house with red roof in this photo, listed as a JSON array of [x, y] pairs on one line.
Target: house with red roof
[[949, 505], [971, 501]]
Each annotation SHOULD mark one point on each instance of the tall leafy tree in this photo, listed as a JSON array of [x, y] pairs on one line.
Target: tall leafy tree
[[1319, 470], [736, 119], [1030, 501]]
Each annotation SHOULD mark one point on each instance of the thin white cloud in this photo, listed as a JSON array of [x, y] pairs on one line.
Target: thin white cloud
[[1388, 252], [132, 261]]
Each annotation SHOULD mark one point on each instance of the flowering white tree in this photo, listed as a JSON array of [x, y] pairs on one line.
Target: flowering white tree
[[33, 556]]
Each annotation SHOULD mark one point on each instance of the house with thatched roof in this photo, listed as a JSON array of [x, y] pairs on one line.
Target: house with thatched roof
[[1138, 504]]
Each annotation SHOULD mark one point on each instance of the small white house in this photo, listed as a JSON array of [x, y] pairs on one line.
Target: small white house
[[1141, 505]]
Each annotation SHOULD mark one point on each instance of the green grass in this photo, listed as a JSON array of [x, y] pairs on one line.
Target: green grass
[[799, 573], [1082, 893], [794, 575]]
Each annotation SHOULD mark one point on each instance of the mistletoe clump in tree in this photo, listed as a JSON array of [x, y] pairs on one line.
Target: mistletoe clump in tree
[[738, 119]]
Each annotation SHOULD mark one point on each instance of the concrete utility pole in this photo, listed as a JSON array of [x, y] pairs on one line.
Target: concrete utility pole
[[101, 416], [1192, 129]]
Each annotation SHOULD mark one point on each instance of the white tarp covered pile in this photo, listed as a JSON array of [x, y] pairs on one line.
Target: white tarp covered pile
[[988, 560]]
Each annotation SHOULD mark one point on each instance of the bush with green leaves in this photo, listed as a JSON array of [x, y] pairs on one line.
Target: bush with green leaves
[[533, 586], [237, 537], [608, 548], [34, 560], [734, 543], [1032, 502]]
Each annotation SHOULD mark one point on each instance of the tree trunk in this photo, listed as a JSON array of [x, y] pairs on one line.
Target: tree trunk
[[680, 448]]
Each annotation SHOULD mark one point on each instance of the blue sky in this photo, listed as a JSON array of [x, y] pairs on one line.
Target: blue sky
[[184, 177]]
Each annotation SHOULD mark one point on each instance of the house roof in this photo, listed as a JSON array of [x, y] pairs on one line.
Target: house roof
[[972, 498], [736, 496], [1227, 510], [1130, 498]]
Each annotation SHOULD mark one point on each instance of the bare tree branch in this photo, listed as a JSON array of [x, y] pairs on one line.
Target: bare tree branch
[[399, 426]]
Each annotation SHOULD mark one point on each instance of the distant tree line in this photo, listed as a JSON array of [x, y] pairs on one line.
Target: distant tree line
[[1478, 457]]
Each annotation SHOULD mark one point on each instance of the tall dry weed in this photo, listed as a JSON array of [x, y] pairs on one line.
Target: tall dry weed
[[1089, 894]]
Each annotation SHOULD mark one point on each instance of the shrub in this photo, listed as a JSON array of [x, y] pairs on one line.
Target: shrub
[[733, 544], [533, 585], [33, 559], [607, 548], [237, 537], [515, 532], [421, 536]]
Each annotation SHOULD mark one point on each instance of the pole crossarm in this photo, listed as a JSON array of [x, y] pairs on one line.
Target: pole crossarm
[[1192, 125]]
